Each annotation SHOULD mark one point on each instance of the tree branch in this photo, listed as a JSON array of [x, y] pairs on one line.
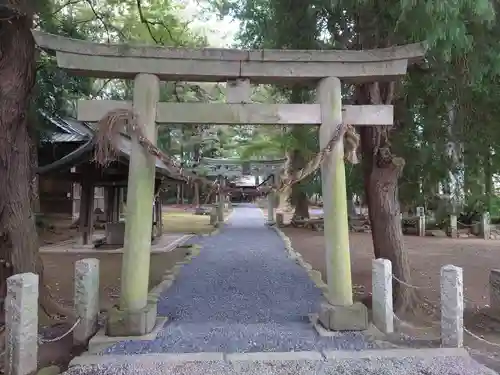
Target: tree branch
[[104, 23], [146, 22]]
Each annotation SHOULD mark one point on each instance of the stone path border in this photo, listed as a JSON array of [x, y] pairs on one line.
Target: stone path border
[[100, 341], [313, 274], [372, 333], [59, 249], [109, 359]]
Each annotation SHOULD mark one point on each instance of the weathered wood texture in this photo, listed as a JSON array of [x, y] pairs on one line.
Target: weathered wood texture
[[211, 64], [237, 114]]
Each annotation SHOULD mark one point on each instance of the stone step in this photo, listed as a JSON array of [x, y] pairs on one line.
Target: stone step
[[178, 337], [368, 362]]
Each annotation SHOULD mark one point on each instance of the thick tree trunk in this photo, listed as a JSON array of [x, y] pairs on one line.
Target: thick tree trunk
[[298, 197], [16, 82], [17, 222], [381, 172]]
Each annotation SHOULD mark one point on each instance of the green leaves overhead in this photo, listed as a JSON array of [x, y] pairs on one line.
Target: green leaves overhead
[[452, 100]]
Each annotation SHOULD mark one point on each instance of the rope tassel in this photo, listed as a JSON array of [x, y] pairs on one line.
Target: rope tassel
[[108, 133], [351, 143]]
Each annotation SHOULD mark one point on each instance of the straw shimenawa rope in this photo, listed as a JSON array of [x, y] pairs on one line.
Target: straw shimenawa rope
[[120, 120], [351, 143]]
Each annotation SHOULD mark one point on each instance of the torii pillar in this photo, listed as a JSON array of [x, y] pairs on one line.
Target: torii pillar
[[136, 315], [340, 313]]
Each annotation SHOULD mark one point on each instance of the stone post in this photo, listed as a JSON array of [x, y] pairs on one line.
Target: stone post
[[86, 299], [270, 208], [271, 203], [485, 225], [453, 226], [135, 269], [452, 307], [21, 324], [340, 313], [421, 226], [382, 295], [213, 216], [221, 200]]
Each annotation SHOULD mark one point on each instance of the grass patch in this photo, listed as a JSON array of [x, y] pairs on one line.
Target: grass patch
[[186, 222]]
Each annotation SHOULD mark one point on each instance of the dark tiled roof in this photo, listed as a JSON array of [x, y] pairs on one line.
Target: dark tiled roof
[[71, 130]]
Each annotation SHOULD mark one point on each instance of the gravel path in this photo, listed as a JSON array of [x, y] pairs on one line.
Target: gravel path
[[241, 294], [375, 366]]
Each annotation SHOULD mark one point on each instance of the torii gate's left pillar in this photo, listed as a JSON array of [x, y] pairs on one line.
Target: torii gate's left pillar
[[136, 316]]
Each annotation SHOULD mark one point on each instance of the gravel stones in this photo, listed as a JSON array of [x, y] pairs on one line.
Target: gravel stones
[[241, 294], [372, 366]]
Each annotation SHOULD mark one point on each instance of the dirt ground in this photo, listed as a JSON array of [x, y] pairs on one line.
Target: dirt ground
[[59, 271], [427, 255]]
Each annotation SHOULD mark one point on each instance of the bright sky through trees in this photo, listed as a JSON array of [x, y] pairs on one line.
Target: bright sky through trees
[[220, 33]]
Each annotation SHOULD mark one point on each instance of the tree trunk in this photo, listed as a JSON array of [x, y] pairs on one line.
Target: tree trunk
[[16, 82], [488, 179], [34, 185], [285, 195], [196, 197], [299, 198], [381, 172], [17, 221]]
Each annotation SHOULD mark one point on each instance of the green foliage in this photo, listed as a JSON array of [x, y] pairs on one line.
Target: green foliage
[[460, 72], [448, 103]]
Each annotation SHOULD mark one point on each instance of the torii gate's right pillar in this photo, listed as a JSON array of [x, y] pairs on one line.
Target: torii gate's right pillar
[[339, 313]]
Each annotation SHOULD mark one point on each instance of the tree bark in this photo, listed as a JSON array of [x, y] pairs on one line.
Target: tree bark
[[16, 82], [381, 171], [488, 179], [299, 198], [17, 221]]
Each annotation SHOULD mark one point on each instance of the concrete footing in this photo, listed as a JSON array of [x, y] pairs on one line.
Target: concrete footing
[[101, 341], [132, 323], [115, 233], [344, 318]]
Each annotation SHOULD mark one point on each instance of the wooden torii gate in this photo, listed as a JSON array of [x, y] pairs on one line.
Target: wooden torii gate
[[234, 168], [147, 65]]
